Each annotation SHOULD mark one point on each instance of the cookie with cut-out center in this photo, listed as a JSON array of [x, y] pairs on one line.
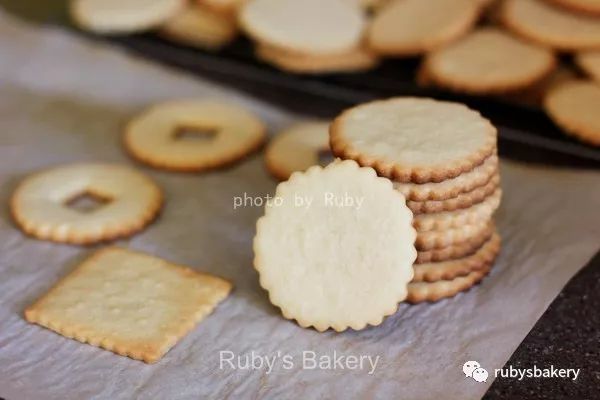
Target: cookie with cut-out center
[[411, 139], [551, 26], [574, 107], [353, 60], [126, 201], [225, 134], [413, 27], [450, 269], [130, 303], [307, 26], [122, 16], [335, 247], [297, 148], [200, 27], [488, 60], [419, 292]]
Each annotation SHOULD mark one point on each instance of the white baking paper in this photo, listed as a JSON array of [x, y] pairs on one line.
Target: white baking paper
[[64, 99]]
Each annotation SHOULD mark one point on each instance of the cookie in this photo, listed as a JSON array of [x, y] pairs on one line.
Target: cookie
[[589, 62], [551, 26], [478, 213], [130, 303], [428, 240], [457, 250], [157, 136], [307, 26], [413, 27], [488, 60], [229, 7], [463, 200], [448, 270], [348, 255], [449, 188], [410, 139], [122, 16], [419, 292], [128, 201], [353, 60], [297, 148], [582, 6], [200, 27], [574, 107]]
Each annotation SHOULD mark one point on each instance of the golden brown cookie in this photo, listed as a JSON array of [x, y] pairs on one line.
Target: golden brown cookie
[[589, 62], [200, 27], [419, 292], [127, 201], [413, 27], [449, 188], [353, 60], [448, 270], [228, 133], [463, 200], [130, 303], [488, 60], [574, 106], [551, 26], [428, 240], [410, 139], [457, 250]]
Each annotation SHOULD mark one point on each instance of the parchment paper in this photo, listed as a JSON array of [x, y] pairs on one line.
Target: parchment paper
[[64, 99]]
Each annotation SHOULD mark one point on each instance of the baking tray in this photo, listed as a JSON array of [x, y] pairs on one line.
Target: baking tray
[[526, 133]]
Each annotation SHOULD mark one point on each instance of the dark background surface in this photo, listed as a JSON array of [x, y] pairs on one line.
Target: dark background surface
[[568, 334]]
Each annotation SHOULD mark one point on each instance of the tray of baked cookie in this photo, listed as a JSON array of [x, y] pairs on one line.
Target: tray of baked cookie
[[529, 65]]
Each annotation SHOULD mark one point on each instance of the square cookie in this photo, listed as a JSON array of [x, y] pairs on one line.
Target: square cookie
[[127, 302]]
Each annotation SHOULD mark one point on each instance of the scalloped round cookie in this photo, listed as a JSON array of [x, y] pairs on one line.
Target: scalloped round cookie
[[489, 60], [307, 26], [411, 139], [343, 260], [413, 27]]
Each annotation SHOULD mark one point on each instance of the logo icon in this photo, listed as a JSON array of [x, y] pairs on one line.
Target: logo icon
[[472, 369]]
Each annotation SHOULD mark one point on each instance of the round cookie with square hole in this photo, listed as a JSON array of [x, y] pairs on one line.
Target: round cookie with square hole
[[85, 203], [297, 148], [193, 135], [412, 139]]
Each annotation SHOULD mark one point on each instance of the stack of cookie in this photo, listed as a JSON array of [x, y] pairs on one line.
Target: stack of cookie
[[442, 157]]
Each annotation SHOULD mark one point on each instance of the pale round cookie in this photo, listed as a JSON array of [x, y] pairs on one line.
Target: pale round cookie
[[122, 16], [449, 188], [307, 26], [575, 106], [478, 213], [549, 25], [463, 200], [412, 139], [335, 265], [200, 27], [589, 62], [457, 250], [448, 270], [489, 60], [151, 137], [413, 27], [428, 240], [297, 148], [353, 60], [419, 292], [582, 6], [40, 204]]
